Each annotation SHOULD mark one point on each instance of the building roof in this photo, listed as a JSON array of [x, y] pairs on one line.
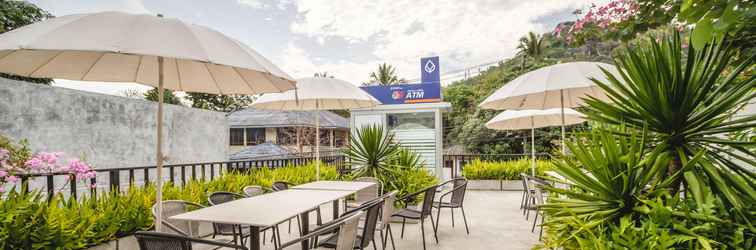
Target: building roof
[[258, 118], [266, 150]]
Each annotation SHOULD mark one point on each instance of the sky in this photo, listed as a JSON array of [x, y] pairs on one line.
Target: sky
[[348, 38]]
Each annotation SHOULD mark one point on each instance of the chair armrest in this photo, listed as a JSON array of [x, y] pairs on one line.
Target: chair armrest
[[450, 192], [323, 229], [140, 234]]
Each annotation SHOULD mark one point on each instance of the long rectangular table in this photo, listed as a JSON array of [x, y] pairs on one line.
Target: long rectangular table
[[266, 210]]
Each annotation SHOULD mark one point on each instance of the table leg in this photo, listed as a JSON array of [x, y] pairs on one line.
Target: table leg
[[305, 229], [254, 238], [335, 209]]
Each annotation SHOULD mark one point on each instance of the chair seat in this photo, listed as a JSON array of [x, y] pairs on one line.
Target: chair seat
[[222, 239], [408, 213], [443, 204]]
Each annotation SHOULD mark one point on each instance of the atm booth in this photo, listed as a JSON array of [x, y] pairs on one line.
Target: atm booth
[[413, 114]]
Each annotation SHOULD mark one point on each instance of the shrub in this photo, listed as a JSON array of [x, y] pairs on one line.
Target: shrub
[[503, 170]]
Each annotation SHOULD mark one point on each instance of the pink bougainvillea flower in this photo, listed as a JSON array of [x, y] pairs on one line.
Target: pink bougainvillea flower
[[4, 154], [12, 179], [3, 173]]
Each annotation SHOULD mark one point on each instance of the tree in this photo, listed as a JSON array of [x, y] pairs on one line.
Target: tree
[[687, 101], [385, 75], [168, 96], [532, 46], [14, 14], [222, 103]]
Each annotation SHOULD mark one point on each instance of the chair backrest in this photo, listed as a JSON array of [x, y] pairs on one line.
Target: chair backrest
[[524, 178], [371, 192], [371, 219], [222, 197], [166, 241], [388, 207], [174, 207], [251, 191], [162, 242], [348, 232], [428, 195], [280, 186], [458, 191]]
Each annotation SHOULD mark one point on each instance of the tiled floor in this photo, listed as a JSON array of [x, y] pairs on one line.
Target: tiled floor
[[494, 219]]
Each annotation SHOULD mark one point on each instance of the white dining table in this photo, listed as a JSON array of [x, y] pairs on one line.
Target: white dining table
[[266, 210], [352, 186]]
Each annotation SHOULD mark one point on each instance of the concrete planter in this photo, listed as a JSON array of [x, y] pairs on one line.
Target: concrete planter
[[505, 185], [484, 185], [511, 185]]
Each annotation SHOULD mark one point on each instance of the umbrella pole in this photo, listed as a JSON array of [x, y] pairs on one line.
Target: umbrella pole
[[317, 141], [564, 146], [159, 147], [532, 146]]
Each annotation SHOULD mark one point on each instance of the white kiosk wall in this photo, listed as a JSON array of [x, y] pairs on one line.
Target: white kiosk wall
[[418, 127]]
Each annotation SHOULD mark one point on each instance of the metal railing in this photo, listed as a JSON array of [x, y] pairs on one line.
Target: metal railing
[[457, 162], [113, 178]]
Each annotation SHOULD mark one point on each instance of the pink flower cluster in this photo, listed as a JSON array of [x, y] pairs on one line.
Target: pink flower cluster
[[78, 168], [614, 12], [42, 162]]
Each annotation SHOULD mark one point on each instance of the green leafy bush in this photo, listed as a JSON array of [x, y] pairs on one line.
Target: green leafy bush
[[503, 170], [29, 221]]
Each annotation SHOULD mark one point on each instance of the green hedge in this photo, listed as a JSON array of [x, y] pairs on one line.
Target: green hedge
[[503, 170], [28, 221]]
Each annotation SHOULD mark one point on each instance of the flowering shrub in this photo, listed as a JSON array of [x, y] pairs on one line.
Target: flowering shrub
[[598, 20], [12, 166]]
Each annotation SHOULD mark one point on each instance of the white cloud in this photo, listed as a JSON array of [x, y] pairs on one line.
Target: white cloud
[[463, 33], [257, 4]]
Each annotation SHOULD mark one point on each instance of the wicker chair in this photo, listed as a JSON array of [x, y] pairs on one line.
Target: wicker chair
[[167, 241], [181, 227], [367, 235], [347, 233], [384, 225], [457, 200], [251, 191], [227, 229], [425, 211], [539, 201]]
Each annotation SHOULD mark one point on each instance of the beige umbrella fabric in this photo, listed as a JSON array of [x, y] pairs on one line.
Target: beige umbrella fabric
[[318, 93], [532, 119], [146, 49], [562, 85]]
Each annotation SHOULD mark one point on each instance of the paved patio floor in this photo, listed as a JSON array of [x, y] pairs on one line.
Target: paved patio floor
[[494, 219]]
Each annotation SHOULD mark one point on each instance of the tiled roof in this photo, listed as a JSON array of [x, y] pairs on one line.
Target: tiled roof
[[250, 117]]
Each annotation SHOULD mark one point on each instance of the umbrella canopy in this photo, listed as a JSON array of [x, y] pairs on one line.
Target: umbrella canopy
[[546, 87], [121, 47], [146, 49], [317, 93], [561, 86], [533, 118]]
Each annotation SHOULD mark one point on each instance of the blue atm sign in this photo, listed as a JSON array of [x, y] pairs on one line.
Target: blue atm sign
[[406, 93]]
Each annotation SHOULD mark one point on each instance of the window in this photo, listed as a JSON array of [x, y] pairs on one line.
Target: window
[[255, 136], [237, 137], [410, 121]]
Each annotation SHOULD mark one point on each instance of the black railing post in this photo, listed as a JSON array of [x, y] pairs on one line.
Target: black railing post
[[202, 167], [72, 183], [194, 172], [131, 177], [146, 177], [212, 171], [50, 186], [183, 175], [24, 184], [170, 171], [115, 180], [93, 186]]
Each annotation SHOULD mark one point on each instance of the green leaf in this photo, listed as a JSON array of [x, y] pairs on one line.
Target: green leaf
[[702, 33]]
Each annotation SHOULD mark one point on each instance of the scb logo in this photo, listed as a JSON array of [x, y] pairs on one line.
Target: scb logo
[[397, 94]]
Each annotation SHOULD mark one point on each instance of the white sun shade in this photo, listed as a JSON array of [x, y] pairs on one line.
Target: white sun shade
[[543, 88], [318, 93], [121, 47], [532, 118]]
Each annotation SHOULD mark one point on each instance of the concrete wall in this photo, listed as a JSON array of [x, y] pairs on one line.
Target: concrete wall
[[108, 131]]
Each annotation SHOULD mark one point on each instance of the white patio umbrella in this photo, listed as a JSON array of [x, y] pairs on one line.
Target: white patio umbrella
[[317, 93], [561, 86], [532, 119], [145, 49]]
